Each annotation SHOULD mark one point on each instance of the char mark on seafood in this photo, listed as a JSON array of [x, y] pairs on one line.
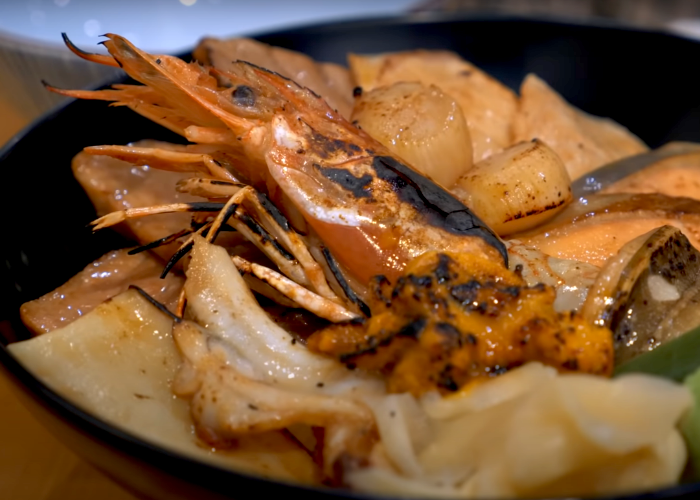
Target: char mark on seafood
[[347, 289], [358, 186], [274, 212], [440, 208]]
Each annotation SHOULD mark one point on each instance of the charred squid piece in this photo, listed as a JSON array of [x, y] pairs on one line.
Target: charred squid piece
[[606, 177], [648, 293]]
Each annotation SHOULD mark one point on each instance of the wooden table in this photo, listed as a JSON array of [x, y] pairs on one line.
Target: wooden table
[[33, 464]]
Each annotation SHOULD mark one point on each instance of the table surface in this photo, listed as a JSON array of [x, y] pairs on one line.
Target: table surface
[[33, 464]]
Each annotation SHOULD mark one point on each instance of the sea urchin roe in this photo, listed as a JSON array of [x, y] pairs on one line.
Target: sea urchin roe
[[452, 318]]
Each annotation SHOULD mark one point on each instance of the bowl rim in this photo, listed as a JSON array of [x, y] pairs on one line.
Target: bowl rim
[[428, 17], [19, 42], [94, 426]]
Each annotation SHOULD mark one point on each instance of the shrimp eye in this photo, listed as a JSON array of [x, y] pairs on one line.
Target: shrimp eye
[[244, 96]]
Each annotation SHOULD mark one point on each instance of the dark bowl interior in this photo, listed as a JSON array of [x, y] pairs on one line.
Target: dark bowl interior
[[644, 80]]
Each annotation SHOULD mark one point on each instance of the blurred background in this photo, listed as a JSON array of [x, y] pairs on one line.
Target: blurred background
[[31, 47]]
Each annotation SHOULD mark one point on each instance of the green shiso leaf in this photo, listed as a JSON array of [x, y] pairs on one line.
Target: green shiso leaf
[[679, 360], [690, 428], [675, 359]]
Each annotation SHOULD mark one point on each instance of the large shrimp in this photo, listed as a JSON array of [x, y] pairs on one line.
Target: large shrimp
[[360, 211]]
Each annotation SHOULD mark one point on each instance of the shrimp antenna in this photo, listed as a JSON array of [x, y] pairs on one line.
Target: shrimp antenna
[[184, 249], [181, 252], [162, 241], [88, 56], [159, 305]]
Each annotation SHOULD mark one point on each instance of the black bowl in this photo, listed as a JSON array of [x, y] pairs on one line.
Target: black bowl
[[645, 80]]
